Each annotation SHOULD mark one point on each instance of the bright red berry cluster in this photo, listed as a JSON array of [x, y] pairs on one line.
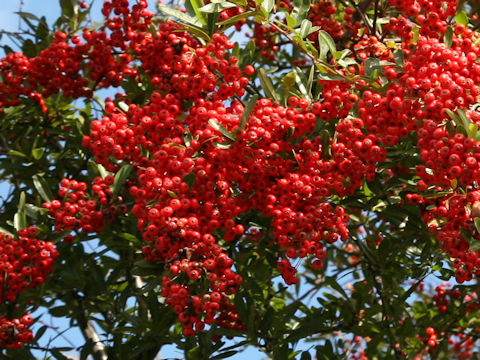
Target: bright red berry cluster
[[80, 211], [14, 333], [25, 262]]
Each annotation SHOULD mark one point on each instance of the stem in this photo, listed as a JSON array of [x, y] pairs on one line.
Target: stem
[[311, 56], [89, 332], [375, 15]]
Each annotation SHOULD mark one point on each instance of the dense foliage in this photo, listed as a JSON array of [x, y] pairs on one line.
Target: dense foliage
[[300, 177]]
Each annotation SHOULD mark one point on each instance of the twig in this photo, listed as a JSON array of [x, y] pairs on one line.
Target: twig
[[89, 332]]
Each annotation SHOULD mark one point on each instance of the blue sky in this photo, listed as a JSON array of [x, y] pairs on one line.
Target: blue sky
[[10, 22]]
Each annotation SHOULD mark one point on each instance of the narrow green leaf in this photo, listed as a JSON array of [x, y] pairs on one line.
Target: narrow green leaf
[[16, 153], [268, 5], [465, 121], [329, 77], [180, 15], [224, 355], [399, 57], [325, 38], [172, 194], [5, 231], [461, 18], [37, 153], [477, 224], [190, 179], [325, 144], [248, 109], [42, 187], [58, 355], [198, 32], [19, 220], [306, 356], [212, 22], [311, 74], [300, 10], [27, 15], [22, 201], [213, 123], [120, 178], [267, 84], [68, 7], [291, 22], [472, 130], [448, 37], [187, 137], [193, 8], [101, 169], [305, 28], [217, 7], [222, 145]]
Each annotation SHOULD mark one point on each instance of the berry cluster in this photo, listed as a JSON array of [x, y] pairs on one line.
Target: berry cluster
[[77, 210], [24, 263], [14, 333]]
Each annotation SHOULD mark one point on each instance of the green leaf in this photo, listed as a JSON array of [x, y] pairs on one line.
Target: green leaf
[[329, 77], [311, 74], [472, 130], [212, 22], [101, 169], [5, 231], [42, 187], [58, 355], [325, 144], [193, 8], [305, 28], [16, 153], [222, 145], [213, 123], [267, 84], [187, 137], [371, 64], [68, 7], [22, 201], [268, 5], [216, 7], [448, 37], [461, 18], [399, 57], [19, 220], [180, 15], [27, 15], [300, 10], [325, 42], [289, 80], [190, 179], [224, 355], [465, 120], [120, 178], [334, 284], [477, 224], [37, 153], [247, 111], [291, 22], [306, 356]]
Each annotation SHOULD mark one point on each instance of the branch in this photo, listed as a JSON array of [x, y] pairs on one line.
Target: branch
[[89, 332], [360, 9]]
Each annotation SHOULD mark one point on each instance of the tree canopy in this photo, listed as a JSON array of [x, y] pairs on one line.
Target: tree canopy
[[297, 176]]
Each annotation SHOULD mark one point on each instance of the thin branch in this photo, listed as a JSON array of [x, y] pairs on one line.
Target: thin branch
[[375, 15], [89, 332]]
